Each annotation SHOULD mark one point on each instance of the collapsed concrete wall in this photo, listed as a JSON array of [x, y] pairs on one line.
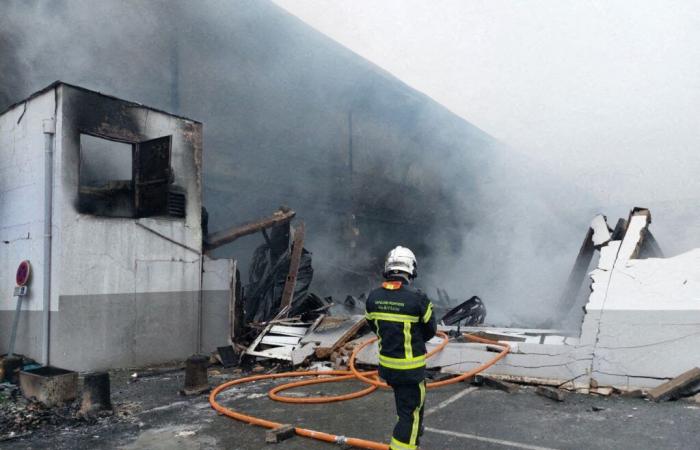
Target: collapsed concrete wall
[[641, 325], [645, 312]]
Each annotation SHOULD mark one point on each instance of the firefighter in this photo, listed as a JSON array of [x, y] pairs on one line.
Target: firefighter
[[402, 317]]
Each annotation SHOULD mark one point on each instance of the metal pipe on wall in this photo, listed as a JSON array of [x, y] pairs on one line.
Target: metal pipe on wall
[[49, 127]]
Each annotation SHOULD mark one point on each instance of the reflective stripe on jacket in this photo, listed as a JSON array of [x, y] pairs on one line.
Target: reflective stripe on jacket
[[402, 317]]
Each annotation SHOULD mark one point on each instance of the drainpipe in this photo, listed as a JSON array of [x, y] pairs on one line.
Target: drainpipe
[[200, 306], [49, 133]]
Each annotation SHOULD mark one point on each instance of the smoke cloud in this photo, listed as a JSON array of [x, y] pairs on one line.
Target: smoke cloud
[[293, 118]]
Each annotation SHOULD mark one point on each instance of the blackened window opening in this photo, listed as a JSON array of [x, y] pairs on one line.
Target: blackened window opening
[[133, 180], [106, 171]]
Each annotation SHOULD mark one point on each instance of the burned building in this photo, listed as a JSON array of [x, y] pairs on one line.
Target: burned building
[[293, 118], [104, 198]]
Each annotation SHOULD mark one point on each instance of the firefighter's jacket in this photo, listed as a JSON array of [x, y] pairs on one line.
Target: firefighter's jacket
[[402, 317]]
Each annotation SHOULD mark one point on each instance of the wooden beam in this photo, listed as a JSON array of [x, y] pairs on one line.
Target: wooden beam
[[215, 240], [294, 261], [684, 384]]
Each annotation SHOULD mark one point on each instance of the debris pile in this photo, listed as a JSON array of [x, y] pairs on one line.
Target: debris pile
[[278, 317], [20, 416], [291, 326], [275, 306], [279, 277], [638, 330], [48, 397]]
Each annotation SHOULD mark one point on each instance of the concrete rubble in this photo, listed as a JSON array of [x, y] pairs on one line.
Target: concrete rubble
[[636, 338], [640, 327]]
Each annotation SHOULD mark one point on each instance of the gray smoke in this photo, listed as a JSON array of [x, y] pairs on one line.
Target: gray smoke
[[293, 118]]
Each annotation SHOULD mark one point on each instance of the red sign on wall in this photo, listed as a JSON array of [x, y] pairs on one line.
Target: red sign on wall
[[23, 273]]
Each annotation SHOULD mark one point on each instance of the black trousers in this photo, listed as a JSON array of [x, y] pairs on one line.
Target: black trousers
[[410, 402]]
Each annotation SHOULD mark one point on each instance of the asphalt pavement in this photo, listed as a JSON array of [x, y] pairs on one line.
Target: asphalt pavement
[[154, 416]]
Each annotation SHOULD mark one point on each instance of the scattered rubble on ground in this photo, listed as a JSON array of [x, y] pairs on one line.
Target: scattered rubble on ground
[[636, 331], [20, 417], [561, 360], [551, 393], [495, 383], [286, 322], [288, 327]]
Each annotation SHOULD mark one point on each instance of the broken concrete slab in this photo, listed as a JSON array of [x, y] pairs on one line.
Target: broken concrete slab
[[635, 393], [639, 220], [643, 317], [441, 376], [496, 384], [683, 385], [527, 362], [302, 353], [604, 391], [693, 398], [551, 393], [332, 332], [641, 325], [533, 363], [350, 332], [601, 231]]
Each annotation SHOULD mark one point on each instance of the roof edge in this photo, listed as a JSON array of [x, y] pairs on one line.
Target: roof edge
[[59, 83]]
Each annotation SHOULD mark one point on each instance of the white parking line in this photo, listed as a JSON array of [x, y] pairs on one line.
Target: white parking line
[[486, 439], [454, 398]]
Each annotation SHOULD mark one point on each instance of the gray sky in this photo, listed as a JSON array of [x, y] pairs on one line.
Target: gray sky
[[605, 93]]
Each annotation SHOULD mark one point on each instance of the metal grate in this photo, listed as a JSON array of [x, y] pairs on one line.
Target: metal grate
[[176, 204]]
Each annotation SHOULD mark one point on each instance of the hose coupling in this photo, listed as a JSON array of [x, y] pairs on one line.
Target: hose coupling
[[341, 440]]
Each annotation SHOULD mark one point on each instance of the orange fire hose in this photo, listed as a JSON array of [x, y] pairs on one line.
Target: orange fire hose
[[371, 378]]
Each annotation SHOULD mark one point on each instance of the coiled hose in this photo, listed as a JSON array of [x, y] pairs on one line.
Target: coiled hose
[[371, 378]]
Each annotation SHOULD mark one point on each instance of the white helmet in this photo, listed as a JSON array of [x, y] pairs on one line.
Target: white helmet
[[401, 259]]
